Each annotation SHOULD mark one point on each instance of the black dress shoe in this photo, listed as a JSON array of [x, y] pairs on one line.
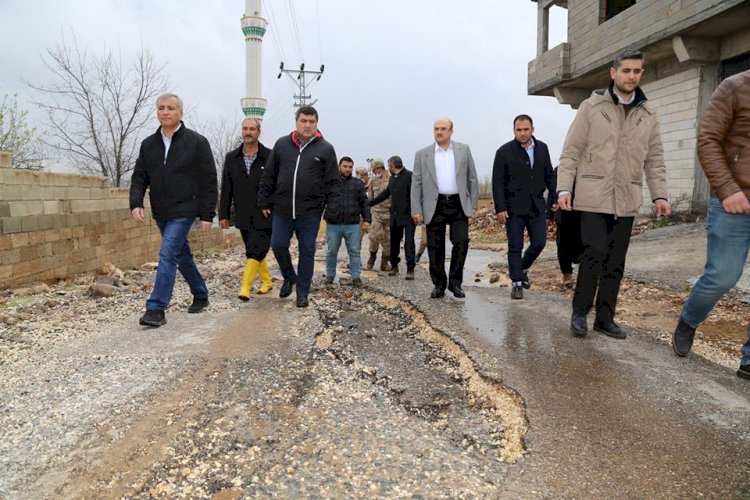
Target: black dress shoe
[[682, 338], [198, 305], [578, 325], [457, 291], [610, 329], [744, 371], [154, 318], [525, 281], [302, 301], [516, 292], [437, 292], [286, 288]]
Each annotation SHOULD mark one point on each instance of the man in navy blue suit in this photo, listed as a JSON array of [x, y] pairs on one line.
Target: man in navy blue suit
[[520, 175]]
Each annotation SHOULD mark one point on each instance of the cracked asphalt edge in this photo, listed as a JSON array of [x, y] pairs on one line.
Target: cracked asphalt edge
[[508, 405]]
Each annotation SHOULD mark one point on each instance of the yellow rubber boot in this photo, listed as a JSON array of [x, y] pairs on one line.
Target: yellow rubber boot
[[265, 277], [251, 269]]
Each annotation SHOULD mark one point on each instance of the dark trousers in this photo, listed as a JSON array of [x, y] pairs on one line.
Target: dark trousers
[[536, 225], [257, 242], [605, 244], [448, 212], [406, 232], [306, 230], [569, 246]]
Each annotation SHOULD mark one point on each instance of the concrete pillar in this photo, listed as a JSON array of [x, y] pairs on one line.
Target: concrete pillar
[[542, 29]]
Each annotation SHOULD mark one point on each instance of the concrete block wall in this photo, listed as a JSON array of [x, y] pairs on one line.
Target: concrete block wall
[[676, 99], [592, 44], [53, 226]]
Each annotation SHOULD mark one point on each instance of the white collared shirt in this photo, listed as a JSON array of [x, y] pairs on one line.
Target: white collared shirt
[[623, 101], [445, 169], [530, 151], [167, 141]]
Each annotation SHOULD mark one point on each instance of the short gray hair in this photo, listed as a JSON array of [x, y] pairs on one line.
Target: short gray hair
[[627, 54], [257, 122], [167, 96]]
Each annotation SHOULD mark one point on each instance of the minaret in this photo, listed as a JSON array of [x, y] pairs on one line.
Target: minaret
[[253, 27]]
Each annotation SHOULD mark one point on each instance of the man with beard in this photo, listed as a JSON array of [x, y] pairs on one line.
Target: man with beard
[[347, 207], [240, 178], [612, 141]]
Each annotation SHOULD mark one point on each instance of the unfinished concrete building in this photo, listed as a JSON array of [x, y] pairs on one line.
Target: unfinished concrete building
[[690, 46]]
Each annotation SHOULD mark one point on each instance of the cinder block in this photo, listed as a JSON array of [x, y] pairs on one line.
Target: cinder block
[[53, 207], [6, 272], [51, 235], [6, 242], [4, 209], [19, 240], [32, 192], [36, 237], [30, 223], [12, 256]]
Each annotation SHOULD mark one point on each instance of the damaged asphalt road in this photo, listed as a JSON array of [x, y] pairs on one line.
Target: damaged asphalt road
[[379, 391]]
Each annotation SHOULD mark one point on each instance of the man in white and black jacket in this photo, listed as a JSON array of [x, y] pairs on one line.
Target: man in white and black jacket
[[177, 167], [300, 174]]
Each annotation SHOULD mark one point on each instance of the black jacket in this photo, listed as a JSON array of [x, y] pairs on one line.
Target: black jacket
[[297, 182], [183, 184], [348, 203], [241, 189], [399, 189], [516, 186]]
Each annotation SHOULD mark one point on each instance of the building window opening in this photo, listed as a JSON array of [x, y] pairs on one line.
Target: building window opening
[[611, 8]]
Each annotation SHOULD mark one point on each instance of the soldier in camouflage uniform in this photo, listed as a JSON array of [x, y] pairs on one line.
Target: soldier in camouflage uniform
[[380, 234]]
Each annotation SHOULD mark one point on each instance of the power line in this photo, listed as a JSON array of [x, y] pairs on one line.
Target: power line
[[320, 37], [295, 30]]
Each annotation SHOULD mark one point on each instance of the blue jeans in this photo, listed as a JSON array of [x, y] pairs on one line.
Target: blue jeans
[[174, 254], [350, 233], [728, 244], [306, 230]]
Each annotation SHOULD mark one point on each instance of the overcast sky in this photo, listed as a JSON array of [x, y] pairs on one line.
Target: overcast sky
[[391, 67]]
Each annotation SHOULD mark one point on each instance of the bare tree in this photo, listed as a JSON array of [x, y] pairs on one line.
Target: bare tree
[[17, 137], [223, 135], [97, 107]]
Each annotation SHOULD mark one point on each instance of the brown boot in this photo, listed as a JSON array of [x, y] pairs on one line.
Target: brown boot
[[567, 280], [371, 261], [384, 265]]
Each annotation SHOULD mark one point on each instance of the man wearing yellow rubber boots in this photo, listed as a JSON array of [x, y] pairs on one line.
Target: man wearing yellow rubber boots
[[243, 168]]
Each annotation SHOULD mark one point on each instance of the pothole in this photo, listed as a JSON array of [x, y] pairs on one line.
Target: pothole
[[391, 343]]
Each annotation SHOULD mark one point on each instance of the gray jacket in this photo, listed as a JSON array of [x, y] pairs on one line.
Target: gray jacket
[[424, 187]]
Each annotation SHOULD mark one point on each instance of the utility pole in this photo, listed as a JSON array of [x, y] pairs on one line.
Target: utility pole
[[299, 77]]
